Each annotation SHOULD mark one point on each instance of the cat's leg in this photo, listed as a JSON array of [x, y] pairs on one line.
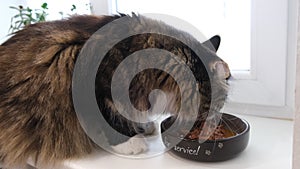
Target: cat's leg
[[135, 145], [138, 143]]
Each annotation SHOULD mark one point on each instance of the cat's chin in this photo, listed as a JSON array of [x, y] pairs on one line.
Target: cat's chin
[[135, 145]]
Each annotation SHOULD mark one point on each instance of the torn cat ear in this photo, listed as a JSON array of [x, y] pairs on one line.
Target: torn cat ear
[[213, 43]]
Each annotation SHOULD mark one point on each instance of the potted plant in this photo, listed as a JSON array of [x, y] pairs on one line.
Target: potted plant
[[27, 16]]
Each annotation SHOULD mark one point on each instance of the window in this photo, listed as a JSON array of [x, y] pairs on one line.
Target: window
[[210, 18], [259, 43]]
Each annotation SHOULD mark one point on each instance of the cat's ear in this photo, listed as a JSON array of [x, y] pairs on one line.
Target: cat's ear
[[213, 43]]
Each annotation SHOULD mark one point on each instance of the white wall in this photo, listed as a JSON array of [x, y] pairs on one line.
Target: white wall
[[296, 164], [6, 13], [296, 154]]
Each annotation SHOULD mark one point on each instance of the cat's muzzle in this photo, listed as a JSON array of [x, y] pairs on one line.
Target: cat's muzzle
[[145, 128]]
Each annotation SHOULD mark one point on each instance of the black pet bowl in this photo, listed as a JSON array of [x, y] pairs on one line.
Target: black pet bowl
[[209, 150]]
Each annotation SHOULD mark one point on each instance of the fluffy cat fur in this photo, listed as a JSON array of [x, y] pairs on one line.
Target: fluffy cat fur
[[37, 118]]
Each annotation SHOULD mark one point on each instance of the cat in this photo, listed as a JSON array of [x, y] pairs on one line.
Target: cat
[[37, 116]]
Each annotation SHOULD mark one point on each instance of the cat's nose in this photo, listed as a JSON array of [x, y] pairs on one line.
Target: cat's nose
[[145, 128], [221, 69]]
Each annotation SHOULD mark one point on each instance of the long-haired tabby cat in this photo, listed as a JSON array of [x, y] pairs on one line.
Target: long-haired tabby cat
[[37, 117]]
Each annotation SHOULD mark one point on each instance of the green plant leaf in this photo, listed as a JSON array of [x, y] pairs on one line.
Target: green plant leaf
[[73, 7], [17, 16], [12, 7], [44, 5], [17, 21], [28, 9], [42, 18]]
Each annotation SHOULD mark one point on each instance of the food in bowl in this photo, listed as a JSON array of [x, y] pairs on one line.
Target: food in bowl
[[222, 142], [204, 133]]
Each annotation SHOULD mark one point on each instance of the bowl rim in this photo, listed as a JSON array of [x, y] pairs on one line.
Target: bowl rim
[[238, 135]]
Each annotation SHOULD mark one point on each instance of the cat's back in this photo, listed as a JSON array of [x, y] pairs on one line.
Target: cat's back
[[39, 49], [36, 110]]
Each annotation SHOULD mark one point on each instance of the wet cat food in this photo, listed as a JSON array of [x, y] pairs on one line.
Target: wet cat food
[[207, 143], [205, 133]]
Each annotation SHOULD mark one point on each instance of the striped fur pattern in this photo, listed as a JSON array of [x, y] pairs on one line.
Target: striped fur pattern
[[37, 118]]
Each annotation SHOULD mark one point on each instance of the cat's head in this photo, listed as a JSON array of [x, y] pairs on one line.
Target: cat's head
[[212, 82], [220, 74], [219, 66]]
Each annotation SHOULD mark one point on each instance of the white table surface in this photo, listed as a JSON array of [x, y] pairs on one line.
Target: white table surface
[[270, 147]]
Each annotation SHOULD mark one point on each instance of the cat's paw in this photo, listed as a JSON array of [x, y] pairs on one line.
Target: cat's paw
[[135, 145]]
